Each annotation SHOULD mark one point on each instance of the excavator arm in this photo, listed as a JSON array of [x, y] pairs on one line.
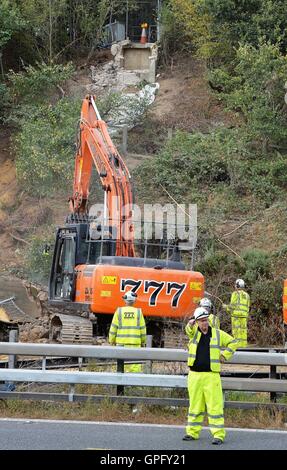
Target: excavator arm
[[95, 147]]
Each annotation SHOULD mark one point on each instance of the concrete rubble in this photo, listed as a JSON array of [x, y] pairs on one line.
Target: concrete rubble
[[131, 76]]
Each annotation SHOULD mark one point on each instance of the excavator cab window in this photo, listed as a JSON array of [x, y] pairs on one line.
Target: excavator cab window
[[64, 265], [67, 261], [101, 248]]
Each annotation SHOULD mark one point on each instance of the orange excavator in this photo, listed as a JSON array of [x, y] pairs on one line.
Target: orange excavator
[[97, 258]]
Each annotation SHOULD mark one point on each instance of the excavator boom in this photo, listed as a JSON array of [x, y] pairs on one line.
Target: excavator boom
[[95, 147]]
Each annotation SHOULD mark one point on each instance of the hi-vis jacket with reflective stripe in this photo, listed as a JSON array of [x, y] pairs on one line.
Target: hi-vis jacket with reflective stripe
[[128, 327], [239, 304], [221, 344]]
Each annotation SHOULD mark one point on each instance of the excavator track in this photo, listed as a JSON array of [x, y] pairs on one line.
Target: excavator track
[[70, 329]]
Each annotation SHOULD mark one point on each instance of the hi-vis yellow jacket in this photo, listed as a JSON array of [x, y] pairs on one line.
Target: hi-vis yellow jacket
[[214, 321], [239, 304], [221, 344], [128, 327]]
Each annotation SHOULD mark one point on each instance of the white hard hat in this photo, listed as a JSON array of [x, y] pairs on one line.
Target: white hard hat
[[200, 312], [205, 302], [130, 296], [239, 283]]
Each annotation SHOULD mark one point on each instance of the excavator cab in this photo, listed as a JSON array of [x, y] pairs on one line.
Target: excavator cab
[[74, 246]]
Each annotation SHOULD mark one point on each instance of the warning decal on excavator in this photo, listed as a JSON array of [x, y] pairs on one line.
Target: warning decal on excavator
[[106, 293], [109, 280], [195, 285]]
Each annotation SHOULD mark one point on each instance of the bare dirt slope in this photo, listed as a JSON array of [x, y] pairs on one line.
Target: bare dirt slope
[[8, 198], [20, 214], [185, 100]]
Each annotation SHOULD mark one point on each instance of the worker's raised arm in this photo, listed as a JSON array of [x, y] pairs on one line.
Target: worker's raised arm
[[114, 328], [190, 328]]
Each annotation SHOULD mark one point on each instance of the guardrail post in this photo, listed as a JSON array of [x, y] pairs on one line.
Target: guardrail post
[[120, 368], [71, 392], [273, 375], [12, 358], [44, 362], [80, 362], [148, 363]]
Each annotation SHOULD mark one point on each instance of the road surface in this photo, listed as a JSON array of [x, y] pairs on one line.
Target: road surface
[[43, 434]]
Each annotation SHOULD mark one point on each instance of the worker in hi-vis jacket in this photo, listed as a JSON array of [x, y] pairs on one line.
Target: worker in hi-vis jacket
[[128, 328], [239, 310], [208, 347]]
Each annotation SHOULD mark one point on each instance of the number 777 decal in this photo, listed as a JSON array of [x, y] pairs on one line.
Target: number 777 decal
[[155, 288]]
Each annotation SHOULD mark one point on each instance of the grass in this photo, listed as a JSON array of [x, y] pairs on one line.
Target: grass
[[113, 412]]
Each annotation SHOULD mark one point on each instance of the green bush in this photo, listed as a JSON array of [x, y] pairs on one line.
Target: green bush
[[279, 171], [204, 163], [4, 99], [257, 264], [266, 297], [38, 259], [212, 260], [187, 160], [34, 83], [255, 87], [45, 147]]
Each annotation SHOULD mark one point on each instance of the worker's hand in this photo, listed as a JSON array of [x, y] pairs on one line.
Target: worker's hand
[[191, 322], [222, 359]]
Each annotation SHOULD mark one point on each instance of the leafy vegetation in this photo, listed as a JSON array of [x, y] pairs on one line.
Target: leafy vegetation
[[34, 83], [255, 89], [45, 146], [55, 29], [39, 258], [10, 21]]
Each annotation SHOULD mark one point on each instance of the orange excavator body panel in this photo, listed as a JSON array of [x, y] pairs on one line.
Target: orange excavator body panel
[[160, 293]]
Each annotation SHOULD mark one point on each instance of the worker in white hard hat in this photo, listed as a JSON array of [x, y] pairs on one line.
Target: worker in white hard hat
[[239, 310], [212, 319], [128, 328], [208, 347]]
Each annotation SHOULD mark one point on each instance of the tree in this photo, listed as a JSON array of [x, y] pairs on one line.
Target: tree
[[45, 23], [233, 22], [255, 87], [10, 21], [195, 23]]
